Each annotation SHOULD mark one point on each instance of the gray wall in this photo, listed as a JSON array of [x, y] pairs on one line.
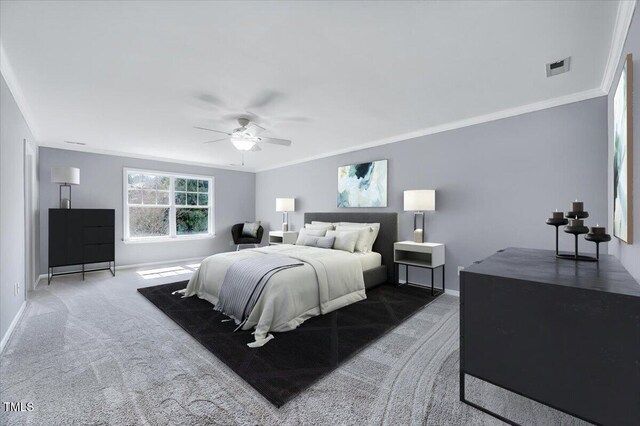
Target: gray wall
[[496, 182], [629, 255], [13, 132], [101, 187]]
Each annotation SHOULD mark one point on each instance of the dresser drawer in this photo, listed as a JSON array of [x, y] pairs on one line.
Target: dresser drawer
[[98, 235], [94, 253], [98, 217]]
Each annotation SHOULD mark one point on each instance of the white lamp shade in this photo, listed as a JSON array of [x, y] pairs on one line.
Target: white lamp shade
[[420, 200], [64, 174], [285, 204]]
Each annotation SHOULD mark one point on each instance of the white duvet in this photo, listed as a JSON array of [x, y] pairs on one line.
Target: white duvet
[[328, 280]]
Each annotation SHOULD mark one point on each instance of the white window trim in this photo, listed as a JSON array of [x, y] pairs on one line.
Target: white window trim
[[172, 208]]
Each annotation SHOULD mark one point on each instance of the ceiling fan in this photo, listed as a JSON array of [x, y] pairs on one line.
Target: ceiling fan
[[246, 137]]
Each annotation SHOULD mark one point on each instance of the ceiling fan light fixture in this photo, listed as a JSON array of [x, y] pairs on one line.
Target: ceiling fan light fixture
[[243, 144]]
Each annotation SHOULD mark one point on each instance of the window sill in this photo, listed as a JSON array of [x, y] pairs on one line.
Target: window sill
[[169, 239]]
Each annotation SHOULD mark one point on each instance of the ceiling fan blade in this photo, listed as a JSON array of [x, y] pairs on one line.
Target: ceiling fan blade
[[265, 98], [256, 147], [217, 140], [253, 128], [212, 130], [210, 99], [276, 141]]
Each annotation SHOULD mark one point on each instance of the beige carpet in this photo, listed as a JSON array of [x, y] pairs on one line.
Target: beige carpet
[[97, 352]]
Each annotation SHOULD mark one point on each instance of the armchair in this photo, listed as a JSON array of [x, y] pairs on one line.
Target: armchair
[[239, 239]]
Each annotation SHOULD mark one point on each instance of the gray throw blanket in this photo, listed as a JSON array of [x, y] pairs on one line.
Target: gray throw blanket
[[244, 282]]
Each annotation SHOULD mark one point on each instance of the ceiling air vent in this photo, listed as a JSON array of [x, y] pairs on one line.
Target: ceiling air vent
[[558, 67], [75, 143]]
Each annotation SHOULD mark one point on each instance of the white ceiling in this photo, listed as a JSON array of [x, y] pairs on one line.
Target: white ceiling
[[134, 77]]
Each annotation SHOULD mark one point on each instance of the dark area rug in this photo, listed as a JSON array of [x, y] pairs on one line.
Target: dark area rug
[[294, 360]]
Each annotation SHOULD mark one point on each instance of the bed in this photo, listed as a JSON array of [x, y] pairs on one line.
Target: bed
[[323, 281]]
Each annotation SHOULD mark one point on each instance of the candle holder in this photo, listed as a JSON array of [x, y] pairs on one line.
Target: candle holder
[[597, 238], [577, 215], [557, 223], [576, 230], [574, 224]]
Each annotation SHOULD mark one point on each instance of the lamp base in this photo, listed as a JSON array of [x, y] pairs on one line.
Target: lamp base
[[418, 236], [285, 227], [65, 203]]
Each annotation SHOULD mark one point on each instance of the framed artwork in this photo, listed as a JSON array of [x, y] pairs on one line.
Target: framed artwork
[[623, 155], [363, 184]]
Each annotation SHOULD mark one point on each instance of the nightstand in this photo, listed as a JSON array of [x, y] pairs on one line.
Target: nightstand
[[420, 255], [280, 237]]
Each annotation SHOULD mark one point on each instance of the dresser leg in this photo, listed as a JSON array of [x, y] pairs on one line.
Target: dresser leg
[[83, 272]]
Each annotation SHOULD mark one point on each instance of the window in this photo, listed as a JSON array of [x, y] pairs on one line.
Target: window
[[161, 206]]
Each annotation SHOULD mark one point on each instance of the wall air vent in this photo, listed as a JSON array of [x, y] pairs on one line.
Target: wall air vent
[[558, 67]]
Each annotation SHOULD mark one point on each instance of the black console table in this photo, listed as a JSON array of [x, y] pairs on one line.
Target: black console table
[[79, 237], [565, 334]]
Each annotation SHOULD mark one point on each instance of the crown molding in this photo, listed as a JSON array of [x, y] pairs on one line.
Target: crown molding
[[91, 150], [12, 83], [623, 22], [499, 115]]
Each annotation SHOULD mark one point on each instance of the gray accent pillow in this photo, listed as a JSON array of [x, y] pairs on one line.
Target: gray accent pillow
[[320, 242], [250, 229], [326, 242]]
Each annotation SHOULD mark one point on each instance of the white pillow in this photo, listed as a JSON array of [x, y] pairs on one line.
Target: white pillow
[[364, 235], [317, 222], [309, 232], [372, 236], [316, 226], [345, 240]]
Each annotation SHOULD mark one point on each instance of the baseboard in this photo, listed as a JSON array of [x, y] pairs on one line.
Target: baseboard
[[455, 293], [136, 265], [12, 326]]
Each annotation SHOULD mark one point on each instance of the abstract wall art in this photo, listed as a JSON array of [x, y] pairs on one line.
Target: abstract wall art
[[363, 184], [623, 155]]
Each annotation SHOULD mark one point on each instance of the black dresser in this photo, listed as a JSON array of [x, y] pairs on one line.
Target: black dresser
[[564, 333], [81, 237]]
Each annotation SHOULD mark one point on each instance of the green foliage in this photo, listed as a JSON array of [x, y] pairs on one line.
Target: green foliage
[[192, 221]]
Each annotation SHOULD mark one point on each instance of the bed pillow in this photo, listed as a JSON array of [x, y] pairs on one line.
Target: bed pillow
[[373, 236], [345, 240], [326, 242], [316, 226], [320, 242], [364, 236], [309, 232], [250, 229], [318, 222]]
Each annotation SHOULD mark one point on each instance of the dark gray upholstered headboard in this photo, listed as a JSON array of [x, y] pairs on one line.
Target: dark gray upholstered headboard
[[387, 236]]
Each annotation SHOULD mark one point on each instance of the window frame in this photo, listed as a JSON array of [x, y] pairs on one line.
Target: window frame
[[173, 236]]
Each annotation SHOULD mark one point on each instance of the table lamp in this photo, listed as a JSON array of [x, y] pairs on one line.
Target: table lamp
[[419, 201], [285, 205], [65, 176]]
